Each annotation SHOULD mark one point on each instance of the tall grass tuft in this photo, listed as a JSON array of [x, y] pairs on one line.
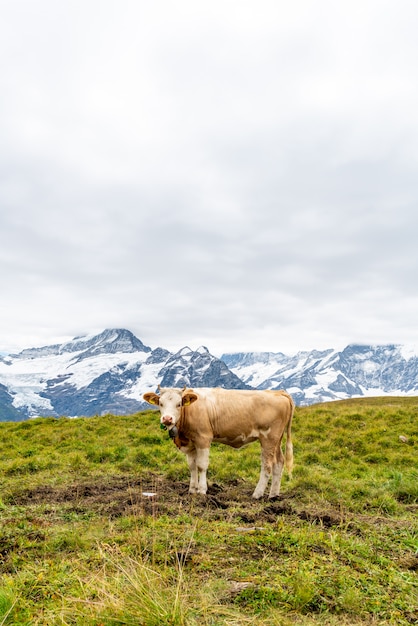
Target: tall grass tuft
[[135, 592], [6, 606], [132, 592]]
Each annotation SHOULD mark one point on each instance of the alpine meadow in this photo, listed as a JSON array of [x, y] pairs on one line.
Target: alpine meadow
[[98, 528]]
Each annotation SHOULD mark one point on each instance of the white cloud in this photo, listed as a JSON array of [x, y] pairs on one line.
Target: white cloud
[[241, 175]]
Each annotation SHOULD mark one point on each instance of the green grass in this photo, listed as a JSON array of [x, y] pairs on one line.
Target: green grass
[[81, 545]]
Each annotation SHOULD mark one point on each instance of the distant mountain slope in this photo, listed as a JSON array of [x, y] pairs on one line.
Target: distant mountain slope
[[8, 413], [109, 372], [330, 375], [105, 373]]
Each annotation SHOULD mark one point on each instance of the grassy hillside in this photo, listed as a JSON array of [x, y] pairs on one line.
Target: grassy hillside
[[82, 542]]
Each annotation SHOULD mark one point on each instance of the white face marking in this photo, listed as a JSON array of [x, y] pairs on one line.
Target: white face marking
[[170, 407]]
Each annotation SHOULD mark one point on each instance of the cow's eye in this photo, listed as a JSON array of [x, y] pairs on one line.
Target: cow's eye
[[178, 405]]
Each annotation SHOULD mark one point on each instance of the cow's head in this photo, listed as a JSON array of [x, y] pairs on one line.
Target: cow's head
[[170, 402]]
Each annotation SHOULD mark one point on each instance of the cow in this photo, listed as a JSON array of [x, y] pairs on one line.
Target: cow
[[235, 417]]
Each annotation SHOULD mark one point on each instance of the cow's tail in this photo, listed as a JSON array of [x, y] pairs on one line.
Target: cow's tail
[[288, 456]]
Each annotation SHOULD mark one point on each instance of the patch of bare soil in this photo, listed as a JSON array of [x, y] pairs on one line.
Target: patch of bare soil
[[117, 496]]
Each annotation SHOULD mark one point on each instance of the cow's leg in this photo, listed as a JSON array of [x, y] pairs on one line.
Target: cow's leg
[[202, 463], [191, 460], [267, 455], [277, 472]]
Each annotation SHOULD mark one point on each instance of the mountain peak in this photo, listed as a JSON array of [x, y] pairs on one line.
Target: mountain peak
[[110, 341], [184, 351]]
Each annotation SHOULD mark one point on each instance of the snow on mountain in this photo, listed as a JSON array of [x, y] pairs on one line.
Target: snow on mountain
[[109, 372], [255, 367], [330, 375], [409, 351], [101, 373], [198, 369]]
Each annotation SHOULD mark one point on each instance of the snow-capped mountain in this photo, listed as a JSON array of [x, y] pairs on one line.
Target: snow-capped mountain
[[109, 372], [316, 376], [105, 373]]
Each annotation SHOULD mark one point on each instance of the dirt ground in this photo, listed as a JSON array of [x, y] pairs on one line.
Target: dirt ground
[[116, 496], [120, 496]]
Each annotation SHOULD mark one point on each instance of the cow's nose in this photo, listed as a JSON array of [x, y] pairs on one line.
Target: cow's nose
[[167, 420]]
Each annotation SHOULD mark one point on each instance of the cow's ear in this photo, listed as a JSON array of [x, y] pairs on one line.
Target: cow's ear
[[152, 398], [188, 398]]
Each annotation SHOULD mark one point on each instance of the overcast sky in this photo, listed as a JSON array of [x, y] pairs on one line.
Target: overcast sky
[[237, 174]]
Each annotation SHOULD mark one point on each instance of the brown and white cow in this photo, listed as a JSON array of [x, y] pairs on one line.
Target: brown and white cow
[[196, 417]]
